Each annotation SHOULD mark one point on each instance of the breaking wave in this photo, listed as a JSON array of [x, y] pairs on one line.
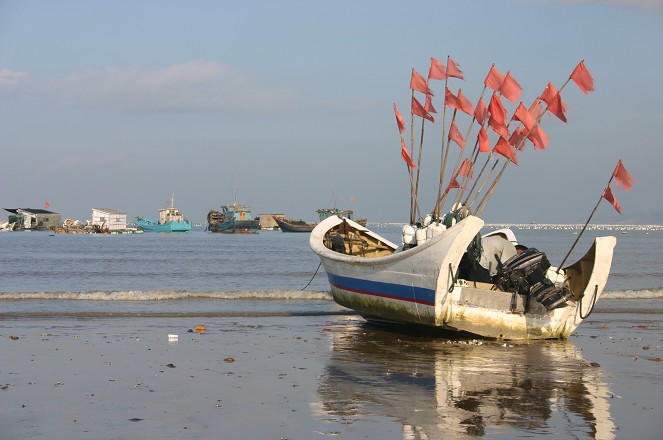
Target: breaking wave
[[257, 295]]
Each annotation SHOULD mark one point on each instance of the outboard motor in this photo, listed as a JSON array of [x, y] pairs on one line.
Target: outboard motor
[[525, 274]]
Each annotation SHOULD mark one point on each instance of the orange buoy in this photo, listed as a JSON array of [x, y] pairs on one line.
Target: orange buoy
[[200, 328]]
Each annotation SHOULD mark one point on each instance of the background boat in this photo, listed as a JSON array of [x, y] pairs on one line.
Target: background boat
[[170, 220], [232, 219], [289, 225]]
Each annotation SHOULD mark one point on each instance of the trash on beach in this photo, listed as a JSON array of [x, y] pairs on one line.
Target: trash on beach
[[173, 338], [13, 338]]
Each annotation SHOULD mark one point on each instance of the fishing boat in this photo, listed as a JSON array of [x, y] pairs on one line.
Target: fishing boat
[[232, 219], [447, 275], [170, 220], [290, 225]]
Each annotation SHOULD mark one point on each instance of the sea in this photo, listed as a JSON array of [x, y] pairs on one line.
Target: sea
[[198, 272]]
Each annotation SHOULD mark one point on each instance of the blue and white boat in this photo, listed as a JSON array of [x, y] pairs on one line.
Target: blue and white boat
[[170, 220]]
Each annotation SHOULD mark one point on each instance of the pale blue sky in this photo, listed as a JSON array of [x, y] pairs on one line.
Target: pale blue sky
[[119, 104]]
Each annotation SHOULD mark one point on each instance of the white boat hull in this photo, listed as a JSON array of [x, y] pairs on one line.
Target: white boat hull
[[418, 286]]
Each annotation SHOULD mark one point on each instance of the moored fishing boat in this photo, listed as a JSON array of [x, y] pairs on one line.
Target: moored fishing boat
[[446, 275], [170, 220], [232, 219], [289, 225]]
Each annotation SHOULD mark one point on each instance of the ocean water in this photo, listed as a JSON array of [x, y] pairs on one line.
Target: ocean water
[[201, 272]]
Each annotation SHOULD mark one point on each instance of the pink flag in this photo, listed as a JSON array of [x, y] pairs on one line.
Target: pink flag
[[496, 109], [498, 127], [556, 107], [450, 99], [521, 114], [481, 112], [623, 177], [399, 120], [538, 137], [466, 168], [517, 138], [535, 109], [437, 70], [494, 78], [428, 105], [405, 155], [453, 183], [47, 205], [610, 197], [484, 143], [510, 88], [418, 109], [417, 82], [465, 104], [502, 147], [583, 78], [453, 69], [454, 135]]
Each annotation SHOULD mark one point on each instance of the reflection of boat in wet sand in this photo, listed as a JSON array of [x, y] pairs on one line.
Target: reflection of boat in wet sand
[[446, 274], [436, 388]]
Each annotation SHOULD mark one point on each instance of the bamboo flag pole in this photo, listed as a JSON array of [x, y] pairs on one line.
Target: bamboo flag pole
[[412, 193], [585, 226]]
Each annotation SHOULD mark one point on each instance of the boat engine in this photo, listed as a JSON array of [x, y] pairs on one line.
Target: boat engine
[[525, 274]]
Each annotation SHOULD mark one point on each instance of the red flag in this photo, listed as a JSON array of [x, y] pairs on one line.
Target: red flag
[[47, 205], [418, 109], [521, 114], [450, 99], [496, 109], [465, 104], [502, 147], [453, 183], [498, 127], [517, 138], [583, 78], [405, 155], [481, 112], [484, 143], [535, 109], [437, 70], [553, 100], [494, 78], [454, 135], [428, 105], [466, 168], [622, 177], [417, 82], [610, 197], [510, 88], [538, 137], [453, 69], [399, 120]]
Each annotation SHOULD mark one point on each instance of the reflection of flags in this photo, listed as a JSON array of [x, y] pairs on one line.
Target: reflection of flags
[[47, 205], [610, 197]]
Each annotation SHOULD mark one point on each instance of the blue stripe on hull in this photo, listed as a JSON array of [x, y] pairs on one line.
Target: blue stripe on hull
[[400, 292]]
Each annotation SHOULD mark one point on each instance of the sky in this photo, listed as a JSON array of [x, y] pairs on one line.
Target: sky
[[287, 106]]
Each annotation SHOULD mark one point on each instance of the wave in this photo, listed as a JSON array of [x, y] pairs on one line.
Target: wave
[[652, 293], [169, 295], [255, 295]]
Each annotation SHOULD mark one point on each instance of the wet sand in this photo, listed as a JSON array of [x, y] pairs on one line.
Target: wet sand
[[325, 376]]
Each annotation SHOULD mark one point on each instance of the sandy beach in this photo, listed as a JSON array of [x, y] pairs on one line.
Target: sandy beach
[[323, 376]]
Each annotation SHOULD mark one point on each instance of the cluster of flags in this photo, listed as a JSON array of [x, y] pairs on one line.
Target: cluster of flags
[[492, 115]]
